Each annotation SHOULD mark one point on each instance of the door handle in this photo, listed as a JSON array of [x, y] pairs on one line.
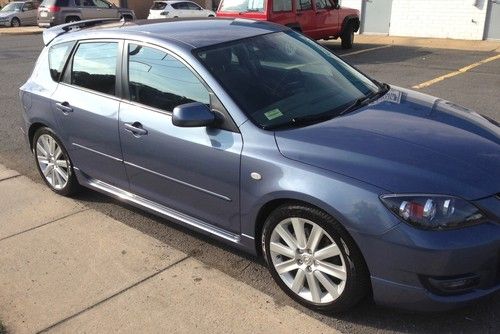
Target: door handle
[[495, 2], [135, 128], [64, 107]]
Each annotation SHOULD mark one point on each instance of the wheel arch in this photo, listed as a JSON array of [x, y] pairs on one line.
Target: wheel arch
[[31, 131], [350, 18], [271, 205]]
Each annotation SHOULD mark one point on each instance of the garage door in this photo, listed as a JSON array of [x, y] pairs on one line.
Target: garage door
[[376, 16], [493, 25]]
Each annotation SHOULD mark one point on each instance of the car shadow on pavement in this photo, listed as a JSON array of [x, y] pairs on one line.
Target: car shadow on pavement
[[483, 317], [376, 53]]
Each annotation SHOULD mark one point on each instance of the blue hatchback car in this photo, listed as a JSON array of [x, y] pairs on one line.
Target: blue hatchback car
[[256, 135]]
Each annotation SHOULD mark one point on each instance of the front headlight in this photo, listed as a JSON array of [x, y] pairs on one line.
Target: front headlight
[[433, 212]]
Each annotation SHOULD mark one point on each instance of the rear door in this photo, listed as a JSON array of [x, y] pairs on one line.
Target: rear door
[[194, 10], [86, 108], [327, 18], [106, 9], [195, 171], [28, 14], [306, 17]]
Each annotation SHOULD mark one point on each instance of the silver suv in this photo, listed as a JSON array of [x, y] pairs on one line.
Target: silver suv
[[54, 12]]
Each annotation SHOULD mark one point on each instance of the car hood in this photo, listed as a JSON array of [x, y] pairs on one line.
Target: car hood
[[6, 14], [405, 142]]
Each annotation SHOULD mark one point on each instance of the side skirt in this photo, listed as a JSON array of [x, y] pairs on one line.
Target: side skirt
[[241, 241]]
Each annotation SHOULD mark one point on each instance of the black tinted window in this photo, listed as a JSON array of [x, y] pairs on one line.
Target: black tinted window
[[192, 6], [57, 58], [159, 80], [94, 66], [304, 4], [282, 5], [158, 5]]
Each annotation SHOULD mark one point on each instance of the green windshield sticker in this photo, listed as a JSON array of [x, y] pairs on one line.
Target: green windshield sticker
[[275, 113]]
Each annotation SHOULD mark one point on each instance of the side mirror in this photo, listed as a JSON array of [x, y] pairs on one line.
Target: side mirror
[[193, 114]]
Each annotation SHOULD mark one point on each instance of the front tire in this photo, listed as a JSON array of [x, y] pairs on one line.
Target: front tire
[[348, 36], [15, 22], [313, 259], [53, 163]]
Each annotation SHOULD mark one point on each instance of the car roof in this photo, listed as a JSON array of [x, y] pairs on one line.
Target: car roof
[[187, 33]]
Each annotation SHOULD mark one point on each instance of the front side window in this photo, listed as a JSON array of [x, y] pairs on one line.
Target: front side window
[[94, 66], [192, 6], [323, 4], [282, 5], [242, 6], [159, 80], [57, 58], [102, 4], [280, 78]]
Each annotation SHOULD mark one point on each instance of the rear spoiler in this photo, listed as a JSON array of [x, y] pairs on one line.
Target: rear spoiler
[[51, 33]]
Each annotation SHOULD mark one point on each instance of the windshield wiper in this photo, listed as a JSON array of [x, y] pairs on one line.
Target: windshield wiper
[[383, 88], [312, 119]]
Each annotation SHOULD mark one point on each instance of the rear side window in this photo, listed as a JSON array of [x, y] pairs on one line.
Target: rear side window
[[304, 4], [59, 3], [282, 5], [242, 6], [158, 6], [161, 81], [58, 54], [94, 66]]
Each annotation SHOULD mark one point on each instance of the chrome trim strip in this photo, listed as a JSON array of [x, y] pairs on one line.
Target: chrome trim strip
[[179, 181], [247, 236], [97, 152], [163, 210]]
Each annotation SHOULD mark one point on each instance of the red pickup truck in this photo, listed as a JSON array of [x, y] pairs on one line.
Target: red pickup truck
[[318, 19]]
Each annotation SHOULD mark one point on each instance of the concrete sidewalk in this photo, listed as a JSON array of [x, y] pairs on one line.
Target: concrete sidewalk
[[28, 30], [432, 43], [69, 269]]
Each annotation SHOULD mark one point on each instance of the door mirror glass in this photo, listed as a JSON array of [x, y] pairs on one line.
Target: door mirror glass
[[193, 114]]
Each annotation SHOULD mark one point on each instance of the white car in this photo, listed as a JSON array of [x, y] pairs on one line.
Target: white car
[[171, 9]]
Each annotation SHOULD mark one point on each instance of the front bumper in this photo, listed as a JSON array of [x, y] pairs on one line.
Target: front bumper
[[406, 262], [5, 23]]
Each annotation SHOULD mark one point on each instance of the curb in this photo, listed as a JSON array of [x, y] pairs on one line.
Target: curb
[[20, 33]]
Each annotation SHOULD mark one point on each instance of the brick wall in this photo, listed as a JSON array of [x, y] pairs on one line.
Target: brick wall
[[460, 19]]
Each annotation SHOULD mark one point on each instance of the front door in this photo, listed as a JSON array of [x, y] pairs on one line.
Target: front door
[[195, 171], [493, 20], [376, 16], [87, 112]]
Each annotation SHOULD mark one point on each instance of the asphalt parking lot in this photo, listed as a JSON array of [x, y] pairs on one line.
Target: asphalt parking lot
[[477, 88]]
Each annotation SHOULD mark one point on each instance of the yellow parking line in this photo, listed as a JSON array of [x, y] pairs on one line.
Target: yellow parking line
[[365, 50], [457, 72]]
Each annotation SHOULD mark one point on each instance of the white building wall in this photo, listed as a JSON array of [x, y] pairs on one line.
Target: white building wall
[[356, 4], [459, 19]]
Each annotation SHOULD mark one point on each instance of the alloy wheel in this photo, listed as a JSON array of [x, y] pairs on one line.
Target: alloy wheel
[[52, 161], [308, 260]]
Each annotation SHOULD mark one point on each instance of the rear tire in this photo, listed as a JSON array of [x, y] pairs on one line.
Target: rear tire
[[313, 258], [348, 35], [15, 22], [53, 163], [71, 19]]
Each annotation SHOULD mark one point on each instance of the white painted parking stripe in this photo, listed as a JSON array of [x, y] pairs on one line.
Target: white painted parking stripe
[[454, 73], [365, 50]]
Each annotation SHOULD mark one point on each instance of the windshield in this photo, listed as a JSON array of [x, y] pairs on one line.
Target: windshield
[[279, 78], [13, 6], [242, 6]]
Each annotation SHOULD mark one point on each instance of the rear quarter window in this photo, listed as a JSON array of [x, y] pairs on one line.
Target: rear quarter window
[[58, 55]]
